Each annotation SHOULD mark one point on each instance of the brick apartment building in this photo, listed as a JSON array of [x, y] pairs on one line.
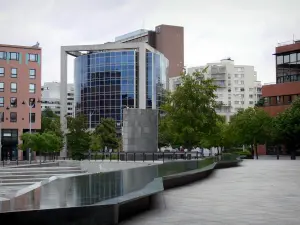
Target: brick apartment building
[[20, 93], [279, 96]]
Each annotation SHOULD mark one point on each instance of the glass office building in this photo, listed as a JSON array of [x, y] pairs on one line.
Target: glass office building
[[107, 81]]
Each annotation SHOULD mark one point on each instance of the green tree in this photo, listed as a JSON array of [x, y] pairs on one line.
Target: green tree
[[95, 143], [107, 133], [35, 141], [52, 142], [78, 137], [218, 136], [251, 127], [50, 122], [190, 110], [287, 128]]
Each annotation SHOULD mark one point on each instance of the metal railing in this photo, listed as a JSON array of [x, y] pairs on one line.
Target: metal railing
[[143, 156]]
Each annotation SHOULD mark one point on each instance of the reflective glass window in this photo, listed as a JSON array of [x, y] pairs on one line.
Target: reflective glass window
[[293, 57], [279, 59]]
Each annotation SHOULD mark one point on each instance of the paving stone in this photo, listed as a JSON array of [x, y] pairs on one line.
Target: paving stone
[[256, 193]]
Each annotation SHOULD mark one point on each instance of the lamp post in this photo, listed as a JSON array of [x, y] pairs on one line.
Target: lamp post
[[30, 105], [90, 119]]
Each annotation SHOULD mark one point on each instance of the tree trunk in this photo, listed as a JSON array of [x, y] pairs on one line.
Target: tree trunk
[[252, 152], [255, 147]]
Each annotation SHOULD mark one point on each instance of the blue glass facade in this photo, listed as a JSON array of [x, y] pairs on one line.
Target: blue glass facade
[[105, 82]]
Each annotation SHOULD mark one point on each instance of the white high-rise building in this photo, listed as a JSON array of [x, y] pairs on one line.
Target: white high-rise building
[[51, 97], [238, 85]]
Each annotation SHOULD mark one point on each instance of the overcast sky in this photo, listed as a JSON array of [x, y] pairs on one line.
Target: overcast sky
[[245, 30]]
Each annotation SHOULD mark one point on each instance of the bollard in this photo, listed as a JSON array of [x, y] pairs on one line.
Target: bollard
[[163, 156]]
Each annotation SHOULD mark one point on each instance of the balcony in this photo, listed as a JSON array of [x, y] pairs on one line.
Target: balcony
[[218, 76]]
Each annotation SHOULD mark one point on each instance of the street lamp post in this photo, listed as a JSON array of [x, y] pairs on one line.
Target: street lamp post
[[30, 105], [30, 108], [90, 120]]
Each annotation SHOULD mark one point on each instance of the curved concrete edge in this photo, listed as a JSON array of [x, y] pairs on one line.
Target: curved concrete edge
[[115, 210], [188, 177], [109, 212]]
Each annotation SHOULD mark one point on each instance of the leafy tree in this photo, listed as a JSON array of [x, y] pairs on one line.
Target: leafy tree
[[95, 143], [51, 123], [78, 137], [251, 127], [287, 128], [52, 142], [190, 110], [35, 141], [106, 131], [218, 137]]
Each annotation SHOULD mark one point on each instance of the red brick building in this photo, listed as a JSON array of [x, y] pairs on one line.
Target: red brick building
[[20, 93], [279, 96]]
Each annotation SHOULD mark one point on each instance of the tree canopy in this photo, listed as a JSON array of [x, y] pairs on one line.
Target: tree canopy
[[190, 110], [287, 127], [251, 126], [106, 132], [78, 137]]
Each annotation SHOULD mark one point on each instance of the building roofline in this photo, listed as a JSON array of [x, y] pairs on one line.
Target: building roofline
[[107, 46], [20, 46]]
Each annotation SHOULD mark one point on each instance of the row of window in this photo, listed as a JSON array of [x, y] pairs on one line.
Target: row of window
[[14, 87], [288, 78], [14, 117], [288, 58], [16, 56], [14, 73], [14, 102], [242, 102]]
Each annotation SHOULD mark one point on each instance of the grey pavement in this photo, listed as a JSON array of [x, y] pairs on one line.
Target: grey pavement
[[258, 192]]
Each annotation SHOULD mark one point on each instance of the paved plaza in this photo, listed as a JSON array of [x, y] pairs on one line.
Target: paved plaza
[[265, 191]]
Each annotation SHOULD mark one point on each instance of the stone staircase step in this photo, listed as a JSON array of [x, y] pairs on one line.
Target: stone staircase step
[[2, 173], [3, 181], [16, 184], [39, 169]]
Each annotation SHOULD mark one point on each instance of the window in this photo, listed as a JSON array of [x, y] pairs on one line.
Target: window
[[250, 102], [32, 102], [1, 87], [13, 87], [14, 72], [2, 72], [2, 55], [2, 116], [279, 59], [32, 73], [32, 118], [14, 56], [33, 57], [293, 57], [31, 88], [286, 58], [236, 102], [240, 82], [1, 101], [240, 69], [250, 96], [13, 117], [13, 102]]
